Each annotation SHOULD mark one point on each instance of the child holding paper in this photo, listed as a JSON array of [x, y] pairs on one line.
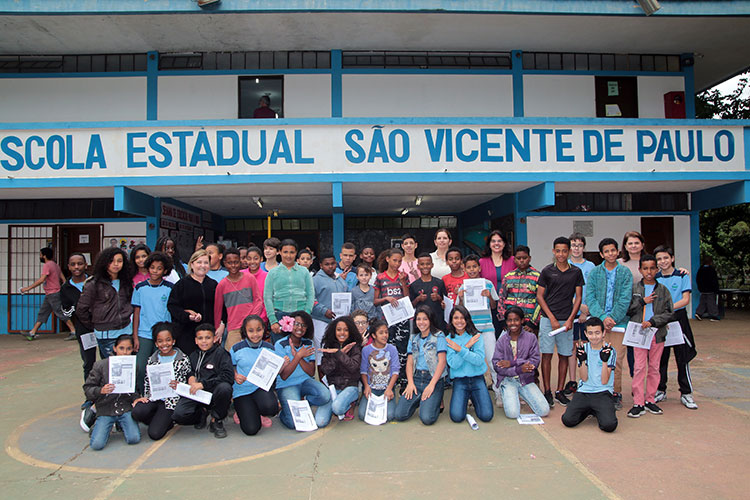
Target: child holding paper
[[295, 380], [210, 370], [111, 408], [390, 286], [340, 364], [158, 414], [651, 306], [254, 406], [379, 370]]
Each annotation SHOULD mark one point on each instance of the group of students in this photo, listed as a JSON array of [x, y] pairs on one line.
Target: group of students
[[212, 317]]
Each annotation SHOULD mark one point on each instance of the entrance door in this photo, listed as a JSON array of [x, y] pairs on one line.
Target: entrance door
[[85, 239], [657, 231]]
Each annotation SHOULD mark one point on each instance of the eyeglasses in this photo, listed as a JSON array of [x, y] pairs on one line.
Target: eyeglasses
[[300, 325], [574, 245], [360, 323]]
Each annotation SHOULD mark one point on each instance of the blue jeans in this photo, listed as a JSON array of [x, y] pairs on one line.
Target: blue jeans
[[429, 410], [474, 388], [106, 346], [390, 406], [344, 400], [103, 427], [511, 389], [316, 394]]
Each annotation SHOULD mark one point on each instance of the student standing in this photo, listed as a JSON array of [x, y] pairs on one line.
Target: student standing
[[519, 289], [346, 262], [363, 295], [367, 256], [577, 248], [326, 283], [138, 256], [379, 370], [455, 279], [678, 283], [559, 296], [390, 286], [168, 246], [271, 250], [238, 295], [428, 290], [51, 280], [651, 306], [217, 271], [608, 294], [69, 295], [253, 260], [409, 263], [443, 241]]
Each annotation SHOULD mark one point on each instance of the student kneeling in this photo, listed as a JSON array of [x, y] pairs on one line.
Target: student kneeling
[[596, 360], [211, 370]]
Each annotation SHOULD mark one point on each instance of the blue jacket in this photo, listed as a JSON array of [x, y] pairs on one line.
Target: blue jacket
[[596, 293], [466, 362], [324, 287]]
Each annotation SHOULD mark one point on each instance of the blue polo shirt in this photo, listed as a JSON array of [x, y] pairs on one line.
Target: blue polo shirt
[[421, 363], [676, 283], [243, 358], [594, 383], [218, 275], [298, 376], [152, 299]]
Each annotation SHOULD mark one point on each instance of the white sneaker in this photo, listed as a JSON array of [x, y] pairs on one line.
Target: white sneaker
[[688, 401], [660, 396]]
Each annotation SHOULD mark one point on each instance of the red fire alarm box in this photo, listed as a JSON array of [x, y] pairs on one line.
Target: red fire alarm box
[[674, 104]]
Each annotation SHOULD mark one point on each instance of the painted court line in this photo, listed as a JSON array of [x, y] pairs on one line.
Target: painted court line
[[570, 457]]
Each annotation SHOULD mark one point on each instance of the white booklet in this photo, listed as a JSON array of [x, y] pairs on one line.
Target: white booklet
[[341, 303], [473, 299], [122, 374], [200, 395], [636, 336], [304, 420], [448, 308], [88, 340], [529, 419], [402, 311], [159, 377], [377, 410], [674, 334], [264, 371]]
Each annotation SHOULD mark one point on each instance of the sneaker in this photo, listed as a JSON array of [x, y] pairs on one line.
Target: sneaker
[[617, 400], [688, 401], [201, 423], [217, 427], [561, 398], [549, 398], [660, 396], [88, 417], [87, 404], [265, 421], [713, 320], [652, 408], [636, 411], [29, 336], [570, 388], [71, 336], [698, 317]]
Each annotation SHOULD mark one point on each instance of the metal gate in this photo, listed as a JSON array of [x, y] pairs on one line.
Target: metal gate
[[24, 268]]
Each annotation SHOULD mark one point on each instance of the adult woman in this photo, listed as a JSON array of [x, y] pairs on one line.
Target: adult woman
[[632, 248], [168, 246], [192, 302], [443, 242], [496, 261]]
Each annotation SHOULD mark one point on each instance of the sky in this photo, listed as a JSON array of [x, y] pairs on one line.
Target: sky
[[728, 86]]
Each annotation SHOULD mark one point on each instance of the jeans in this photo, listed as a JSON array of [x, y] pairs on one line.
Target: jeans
[[106, 346], [344, 400], [511, 389], [429, 410], [316, 394], [103, 427], [474, 388], [390, 406]]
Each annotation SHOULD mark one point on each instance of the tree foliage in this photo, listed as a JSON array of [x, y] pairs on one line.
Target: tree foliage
[[713, 104]]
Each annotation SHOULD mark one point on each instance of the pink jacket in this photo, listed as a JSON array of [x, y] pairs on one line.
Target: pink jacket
[[487, 269]]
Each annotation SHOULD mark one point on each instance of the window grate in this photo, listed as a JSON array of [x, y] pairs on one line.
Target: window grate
[[209, 61], [575, 61], [83, 63], [426, 60]]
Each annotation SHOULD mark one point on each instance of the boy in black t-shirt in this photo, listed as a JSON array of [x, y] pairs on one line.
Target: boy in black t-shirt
[[428, 290], [559, 295]]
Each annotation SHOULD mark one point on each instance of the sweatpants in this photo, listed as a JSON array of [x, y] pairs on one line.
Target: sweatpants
[[156, 416], [599, 404], [188, 411], [398, 335], [250, 407], [708, 306], [87, 356], [683, 354]]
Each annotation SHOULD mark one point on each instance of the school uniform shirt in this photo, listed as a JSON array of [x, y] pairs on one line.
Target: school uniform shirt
[[218, 275], [299, 375], [483, 318], [379, 365], [388, 286], [240, 298], [428, 287], [586, 266], [420, 362], [519, 289], [594, 363], [365, 301], [244, 356], [452, 285], [677, 283], [325, 287], [560, 289], [152, 299], [467, 362]]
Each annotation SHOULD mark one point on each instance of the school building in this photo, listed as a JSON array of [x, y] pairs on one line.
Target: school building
[[124, 121]]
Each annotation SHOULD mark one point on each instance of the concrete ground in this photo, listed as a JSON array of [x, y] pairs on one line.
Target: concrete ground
[[681, 454]]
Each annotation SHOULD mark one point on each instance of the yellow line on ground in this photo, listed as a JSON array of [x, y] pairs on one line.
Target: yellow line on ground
[[570, 457], [106, 492]]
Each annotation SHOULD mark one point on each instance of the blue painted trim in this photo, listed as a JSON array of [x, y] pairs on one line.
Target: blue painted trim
[[242, 72], [69, 221], [337, 195], [94, 74], [520, 228], [152, 233], [583, 215], [337, 93], [676, 74], [516, 59], [722, 196], [569, 7], [424, 71], [133, 202], [689, 73], [695, 257], [369, 121], [540, 196], [338, 232], [152, 86]]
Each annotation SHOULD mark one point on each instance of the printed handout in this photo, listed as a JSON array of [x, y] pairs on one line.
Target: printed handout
[[200, 395], [304, 420], [341, 303], [473, 299], [264, 371], [636, 336], [122, 374], [159, 377], [402, 311], [377, 410]]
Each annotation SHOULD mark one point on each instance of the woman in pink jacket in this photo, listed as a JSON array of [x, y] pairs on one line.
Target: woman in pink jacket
[[497, 260]]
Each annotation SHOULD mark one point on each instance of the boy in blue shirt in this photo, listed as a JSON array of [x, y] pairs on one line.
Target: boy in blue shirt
[[678, 284], [149, 307], [577, 247], [596, 360]]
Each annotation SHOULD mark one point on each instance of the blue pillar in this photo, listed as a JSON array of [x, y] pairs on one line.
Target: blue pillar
[[516, 61], [336, 85], [338, 216], [152, 85], [137, 203], [519, 228], [687, 62]]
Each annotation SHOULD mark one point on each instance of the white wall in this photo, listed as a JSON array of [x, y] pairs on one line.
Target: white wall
[[559, 95], [651, 90], [427, 95], [208, 97], [72, 99], [307, 96]]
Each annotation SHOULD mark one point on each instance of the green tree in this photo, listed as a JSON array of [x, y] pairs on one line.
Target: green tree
[[713, 104]]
